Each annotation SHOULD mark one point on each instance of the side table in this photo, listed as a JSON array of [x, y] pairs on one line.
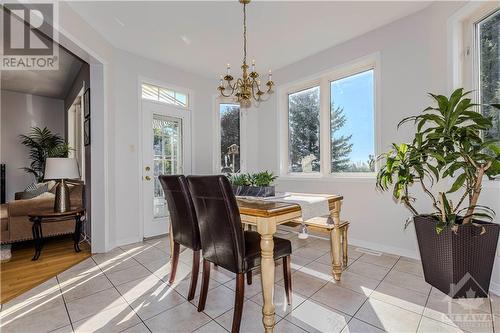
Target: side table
[[47, 216]]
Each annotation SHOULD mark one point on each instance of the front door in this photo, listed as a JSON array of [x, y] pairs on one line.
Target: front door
[[166, 151]]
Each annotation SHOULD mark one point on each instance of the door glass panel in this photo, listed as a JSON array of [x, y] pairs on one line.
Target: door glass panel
[[167, 151]]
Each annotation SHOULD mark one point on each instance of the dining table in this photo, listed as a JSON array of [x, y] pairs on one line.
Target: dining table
[[266, 215]]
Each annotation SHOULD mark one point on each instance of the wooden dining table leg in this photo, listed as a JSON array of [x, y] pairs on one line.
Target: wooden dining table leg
[[171, 240], [336, 244], [266, 229]]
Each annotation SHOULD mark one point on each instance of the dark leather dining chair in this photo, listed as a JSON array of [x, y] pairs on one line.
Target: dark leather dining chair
[[223, 241], [184, 225]]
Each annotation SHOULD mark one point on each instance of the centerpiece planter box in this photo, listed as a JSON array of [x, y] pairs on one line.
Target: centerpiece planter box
[[459, 264], [254, 191]]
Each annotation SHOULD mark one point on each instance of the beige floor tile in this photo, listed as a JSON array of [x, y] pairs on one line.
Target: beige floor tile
[[211, 327], [219, 300], [368, 270], [409, 267], [402, 297], [182, 318], [84, 287], [339, 298], [37, 322], [410, 281], [357, 283], [388, 317], [297, 262], [305, 284], [251, 320], [316, 317], [144, 287], [284, 326], [162, 269], [318, 270], [281, 305], [112, 320], [90, 305], [150, 254], [357, 326], [128, 274], [428, 325], [110, 256], [65, 329], [139, 328], [150, 305], [385, 260], [310, 252], [118, 265], [40, 298]]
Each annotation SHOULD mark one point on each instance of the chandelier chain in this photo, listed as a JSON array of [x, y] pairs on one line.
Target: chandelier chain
[[244, 33]]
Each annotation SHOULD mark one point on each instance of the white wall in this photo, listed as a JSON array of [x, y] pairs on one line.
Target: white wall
[[20, 112], [414, 61]]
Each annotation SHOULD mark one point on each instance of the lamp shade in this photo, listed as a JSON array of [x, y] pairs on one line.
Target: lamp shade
[[61, 168]]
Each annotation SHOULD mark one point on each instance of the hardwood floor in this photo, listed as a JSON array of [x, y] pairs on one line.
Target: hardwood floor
[[20, 274]]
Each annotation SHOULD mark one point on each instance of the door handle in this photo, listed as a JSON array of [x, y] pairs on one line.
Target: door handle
[[147, 178]]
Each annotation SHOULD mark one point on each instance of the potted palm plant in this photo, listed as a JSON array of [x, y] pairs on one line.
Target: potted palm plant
[[448, 160], [42, 143]]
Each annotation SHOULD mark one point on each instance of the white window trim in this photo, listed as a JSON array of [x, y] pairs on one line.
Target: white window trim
[[323, 80], [462, 47], [217, 132], [163, 85]]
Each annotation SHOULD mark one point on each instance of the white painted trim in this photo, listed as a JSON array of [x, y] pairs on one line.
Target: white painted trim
[[323, 79]]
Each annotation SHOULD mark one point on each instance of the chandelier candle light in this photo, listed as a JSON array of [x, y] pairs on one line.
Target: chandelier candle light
[[247, 87]]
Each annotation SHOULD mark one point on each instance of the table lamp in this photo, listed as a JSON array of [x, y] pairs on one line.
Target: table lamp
[[60, 169]]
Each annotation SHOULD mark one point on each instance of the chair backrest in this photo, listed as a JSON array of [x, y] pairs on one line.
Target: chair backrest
[[182, 214], [221, 232]]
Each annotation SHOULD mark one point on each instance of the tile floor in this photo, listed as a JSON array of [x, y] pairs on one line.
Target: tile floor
[[125, 290]]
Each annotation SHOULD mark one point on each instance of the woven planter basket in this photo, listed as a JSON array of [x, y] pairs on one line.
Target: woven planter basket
[[460, 264]]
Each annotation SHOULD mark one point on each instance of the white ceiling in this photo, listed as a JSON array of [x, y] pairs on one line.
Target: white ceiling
[[53, 83], [202, 37]]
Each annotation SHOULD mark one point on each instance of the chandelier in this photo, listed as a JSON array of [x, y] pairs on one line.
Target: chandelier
[[247, 87]]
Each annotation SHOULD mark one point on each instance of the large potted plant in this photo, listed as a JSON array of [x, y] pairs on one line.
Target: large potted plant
[[448, 160], [42, 143]]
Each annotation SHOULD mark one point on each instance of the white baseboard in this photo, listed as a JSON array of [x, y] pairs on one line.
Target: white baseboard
[[385, 248]]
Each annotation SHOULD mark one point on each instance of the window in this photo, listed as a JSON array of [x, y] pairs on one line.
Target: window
[[327, 123], [351, 123], [229, 138], [488, 56], [304, 131], [164, 95]]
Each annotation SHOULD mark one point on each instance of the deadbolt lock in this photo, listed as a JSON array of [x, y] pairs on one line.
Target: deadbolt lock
[[148, 168]]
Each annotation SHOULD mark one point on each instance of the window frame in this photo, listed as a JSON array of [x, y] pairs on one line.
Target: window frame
[[323, 80], [217, 137], [174, 89]]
